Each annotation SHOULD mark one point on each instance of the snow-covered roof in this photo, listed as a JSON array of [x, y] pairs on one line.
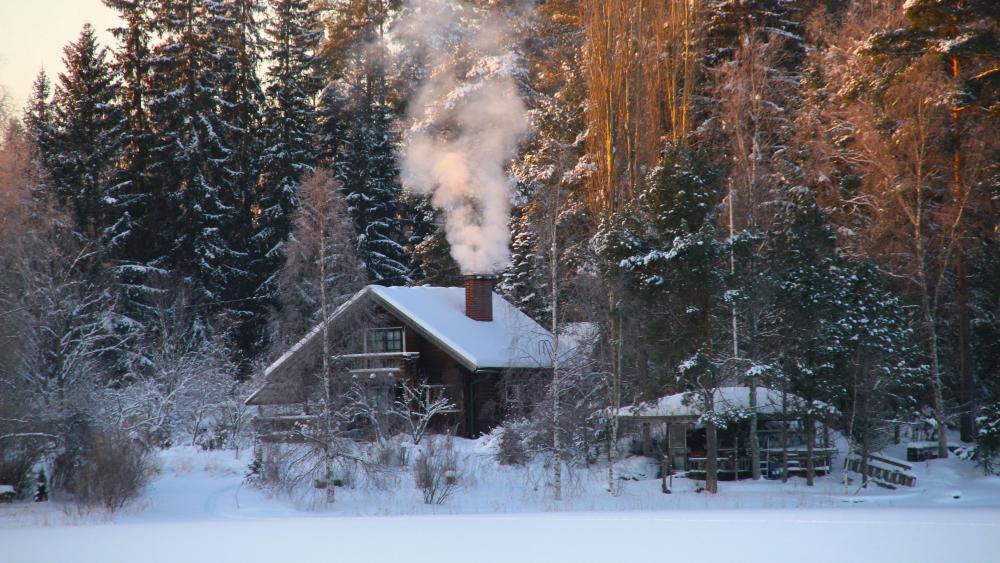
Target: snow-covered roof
[[725, 399], [511, 340]]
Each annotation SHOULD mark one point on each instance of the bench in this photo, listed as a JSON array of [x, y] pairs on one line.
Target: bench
[[884, 470], [7, 493]]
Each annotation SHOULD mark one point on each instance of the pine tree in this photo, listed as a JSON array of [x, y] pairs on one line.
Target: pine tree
[[86, 140], [842, 338], [963, 37]]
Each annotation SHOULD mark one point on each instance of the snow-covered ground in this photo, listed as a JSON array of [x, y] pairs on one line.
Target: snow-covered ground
[[198, 510]]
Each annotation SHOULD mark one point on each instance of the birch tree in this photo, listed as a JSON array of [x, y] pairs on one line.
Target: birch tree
[[322, 270]]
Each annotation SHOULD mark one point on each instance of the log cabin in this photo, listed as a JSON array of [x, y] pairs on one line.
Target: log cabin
[[467, 343]]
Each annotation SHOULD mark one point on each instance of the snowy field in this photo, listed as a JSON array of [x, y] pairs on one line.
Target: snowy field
[[198, 510]]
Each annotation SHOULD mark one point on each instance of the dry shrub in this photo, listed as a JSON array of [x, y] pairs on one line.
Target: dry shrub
[[109, 470], [436, 470]]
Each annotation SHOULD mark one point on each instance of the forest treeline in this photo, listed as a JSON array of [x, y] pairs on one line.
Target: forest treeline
[[800, 194]]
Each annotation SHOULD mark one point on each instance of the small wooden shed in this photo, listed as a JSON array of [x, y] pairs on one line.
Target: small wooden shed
[[671, 427]]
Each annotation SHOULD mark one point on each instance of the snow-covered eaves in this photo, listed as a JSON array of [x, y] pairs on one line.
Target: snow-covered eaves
[[512, 340], [725, 399], [278, 375]]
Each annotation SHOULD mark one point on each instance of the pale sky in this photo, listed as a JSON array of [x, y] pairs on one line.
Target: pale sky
[[33, 34]]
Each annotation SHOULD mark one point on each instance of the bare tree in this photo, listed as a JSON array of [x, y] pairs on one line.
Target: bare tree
[[322, 269], [419, 405], [182, 379]]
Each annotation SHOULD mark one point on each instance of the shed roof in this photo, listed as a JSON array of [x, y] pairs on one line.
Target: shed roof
[[726, 399]]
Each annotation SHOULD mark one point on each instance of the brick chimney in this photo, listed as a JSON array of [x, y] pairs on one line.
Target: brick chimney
[[479, 297]]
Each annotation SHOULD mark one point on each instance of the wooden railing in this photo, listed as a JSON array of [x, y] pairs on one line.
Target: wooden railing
[[737, 464], [382, 363]]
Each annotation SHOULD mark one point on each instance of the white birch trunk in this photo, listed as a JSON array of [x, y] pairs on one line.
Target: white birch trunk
[[327, 392], [556, 432]]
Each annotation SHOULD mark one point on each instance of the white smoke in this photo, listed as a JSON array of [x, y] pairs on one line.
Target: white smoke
[[465, 124]]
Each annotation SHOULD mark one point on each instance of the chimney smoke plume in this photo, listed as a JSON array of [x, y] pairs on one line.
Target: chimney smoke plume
[[465, 124]]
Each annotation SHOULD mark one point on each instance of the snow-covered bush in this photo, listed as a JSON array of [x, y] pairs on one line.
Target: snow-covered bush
[[182, 387], [511, 445], [987, 451], [436, 470]]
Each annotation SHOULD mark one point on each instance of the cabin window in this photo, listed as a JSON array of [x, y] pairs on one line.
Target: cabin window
[[519, 395], [383, 340]]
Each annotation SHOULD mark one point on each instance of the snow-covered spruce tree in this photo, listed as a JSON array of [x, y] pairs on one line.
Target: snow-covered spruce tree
[[419, 224], [883, 379], [140, 205], [523, 281], [986, 348], [240, 108], [667, 253], [193, 162], [39, 119], [291, 146], [330, 114], [434, 261], [808, 306], [987, 450], [86, 138], [369, 173]]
